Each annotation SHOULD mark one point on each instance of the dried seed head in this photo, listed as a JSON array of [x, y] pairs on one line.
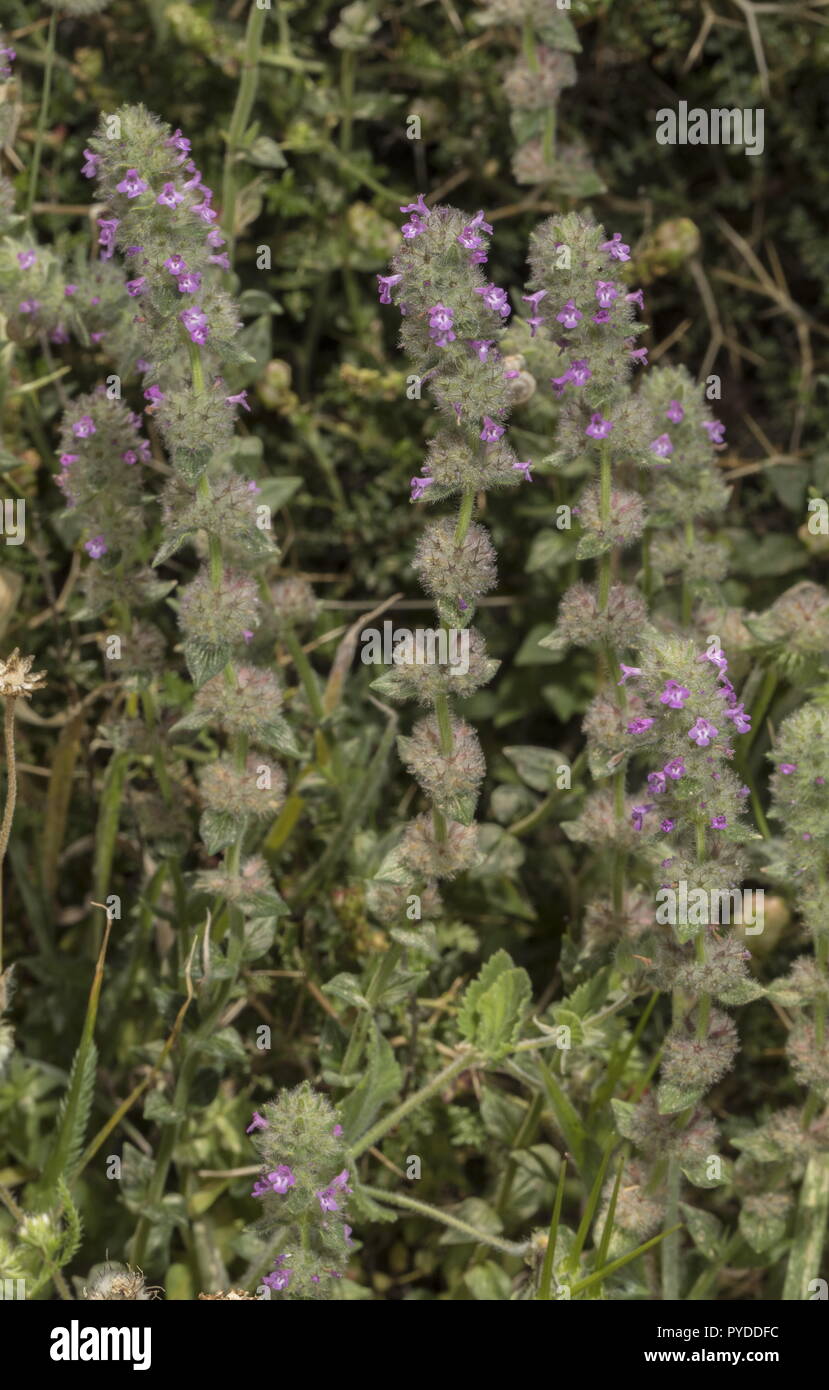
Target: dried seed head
[[242, 708], [219, 617], [580, 622], [447, 570], [257, 790], [534, 88], [410, 679], [445, 777], [230, 1296], [294, 602], [431, 858], [696, 1063], [17, 679], [809, 1058], [116, 1282]]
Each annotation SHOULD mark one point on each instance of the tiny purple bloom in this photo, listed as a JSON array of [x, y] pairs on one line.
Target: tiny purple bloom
[[628, 671], [715, 430], [788, 768], [90, 166], [662, 446], [491, 431], [569, 315], [675, 769], [657, 782], [524, 470], [638, 726], [667, 825], [598, 427], [718, 822], [26, 259], [256, 1123], [96, 547], [132, 184], [84, 427], [386, 283], [616, 247], [606, 292], [702, 732], [674, 695], [170, 197], [675, 412]]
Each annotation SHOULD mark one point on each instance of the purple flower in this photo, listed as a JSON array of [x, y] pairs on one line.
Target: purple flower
[[580, 372], [90, 166], [524, 469], [169, 197], [96, 547], [66, 459], [247, 634], [440, 324], [419, 208], [341, 1181], [674, 694], [702, 732], [657, 782], [189, 283], [279, 1279], [491, 431], [606, 292], [192, 318], [222, 261], [662, 446], [482, 346], [338, 1131], [214, 237], [176, 265], [787, 768], [569, 315], [636, 298], [718, 822], [715, 430], [667, 825], [129, 457], [256, 1123], [627, 672], [742, 721], [616, 247], [241, 398], [26, 259], [327, 1199], [638, 726], [598, 427], [28, 306], [69, 290], [603, 316], [386, 283], [419, 486], [534, 299], [638, 814], [204, 210], [177, 141], [154, 395], [347, 1234], [468, 237], [107, 227], [84, 427], [132, 184], [495, 299], [675, 769], [639, 355], [136, 287], [717, 658], [278, 1181], [675, 413]]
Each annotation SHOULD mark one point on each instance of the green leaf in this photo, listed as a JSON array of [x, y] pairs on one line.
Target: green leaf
[[623, 1112], [538, 767], [381, 1083], [277, 733], [494, 1006], [704, 1229], [672, 1098], [218, 829], [476, 1213], [348, 988], [488, 1282]]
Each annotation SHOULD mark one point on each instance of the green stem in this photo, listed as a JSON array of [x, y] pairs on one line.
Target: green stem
[[670, 1248], [245, 97], [34, 170], [687, 593], [464, 1062], [395, 1199], [605, 484]]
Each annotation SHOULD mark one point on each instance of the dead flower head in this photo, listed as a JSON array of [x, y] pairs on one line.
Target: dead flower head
[[17, 678]]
